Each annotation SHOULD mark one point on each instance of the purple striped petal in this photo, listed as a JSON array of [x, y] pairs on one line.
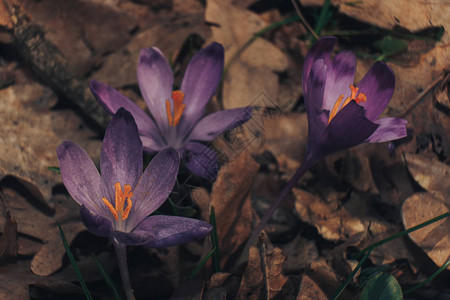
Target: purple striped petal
[[95, 223], [320, 50], [211, 126], [378, 85], [349, 128], [155, 81], [340, 76], [389, 129], [121, 155], [201, 160], [154, 186], [200, 82], [112, 100], [81, 177], [164, 231]]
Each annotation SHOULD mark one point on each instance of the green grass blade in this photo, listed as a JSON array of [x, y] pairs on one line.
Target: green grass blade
[[383, 286], [106, 277], [428, 279], [201, 264], [55, 169], [215, 242], [74, 264]]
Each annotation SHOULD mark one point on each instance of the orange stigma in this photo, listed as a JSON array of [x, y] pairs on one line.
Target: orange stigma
[[178, 109], [361, 97], [121, 197]]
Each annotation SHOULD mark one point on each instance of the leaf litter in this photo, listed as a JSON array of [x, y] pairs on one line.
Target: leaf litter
[[343, 204]]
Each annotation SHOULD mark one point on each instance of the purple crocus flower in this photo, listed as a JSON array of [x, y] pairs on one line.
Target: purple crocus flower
[[118, 202], [177, 117], [341, 115]]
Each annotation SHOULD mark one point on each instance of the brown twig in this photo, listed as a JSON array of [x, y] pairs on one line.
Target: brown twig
[[419, 97], [263, 257]]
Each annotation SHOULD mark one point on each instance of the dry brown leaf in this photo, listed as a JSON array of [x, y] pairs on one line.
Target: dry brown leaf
[[166, 32], [30, 134], [325, 277], [414, 15], [430, 173], [8, 240], [309, 290], [261, 279], [39, 222], [253, 72], [434, 239], [333, 225], [231, 200]]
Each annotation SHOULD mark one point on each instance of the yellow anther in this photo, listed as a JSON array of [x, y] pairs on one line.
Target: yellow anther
[[121, 198], [178, 108], [361, 97]]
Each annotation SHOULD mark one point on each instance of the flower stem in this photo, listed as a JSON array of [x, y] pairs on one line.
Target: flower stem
[[121, 252], [307, 163]]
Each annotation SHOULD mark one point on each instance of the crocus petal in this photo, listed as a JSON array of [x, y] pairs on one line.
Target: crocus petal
[[389, 129], [321, 49], [150, 145], [349, 128], [81, 177], [200, 82], [211, 126], [155, 81], [340, 75], [121, 155], [165, 231], [154, 186], [313, 98], [378, 85], [201, 160], [95, 223], [112, 100]]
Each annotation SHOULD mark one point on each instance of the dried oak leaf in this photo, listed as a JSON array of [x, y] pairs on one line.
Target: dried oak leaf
[[231, 200], [434, 239], [430, 173], [414, 15], [253, 72], [30, 133], [265, 278]]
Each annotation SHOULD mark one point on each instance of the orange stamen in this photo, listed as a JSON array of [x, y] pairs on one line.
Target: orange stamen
[[361, 97], [121, 197], [178, 109]]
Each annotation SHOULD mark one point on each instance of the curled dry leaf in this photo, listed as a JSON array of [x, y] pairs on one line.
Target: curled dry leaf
[[253, 72], [231, 200], [333, 225], [262, 278], [434, 239], [430, 173], [389, 14]]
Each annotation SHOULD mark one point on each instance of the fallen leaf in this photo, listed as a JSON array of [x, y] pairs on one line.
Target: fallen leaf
[[309, 290], [231, 200], [27, 121], [261, 279], [430, 173], [413, 15], [253, 72], [434, 239], [8, 240], [333, 225]]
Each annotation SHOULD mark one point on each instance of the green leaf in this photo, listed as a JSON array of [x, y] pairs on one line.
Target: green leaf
[[106, 277], [384, 286], [201, 264], [55, 169], [74, 264], [390, 46]]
